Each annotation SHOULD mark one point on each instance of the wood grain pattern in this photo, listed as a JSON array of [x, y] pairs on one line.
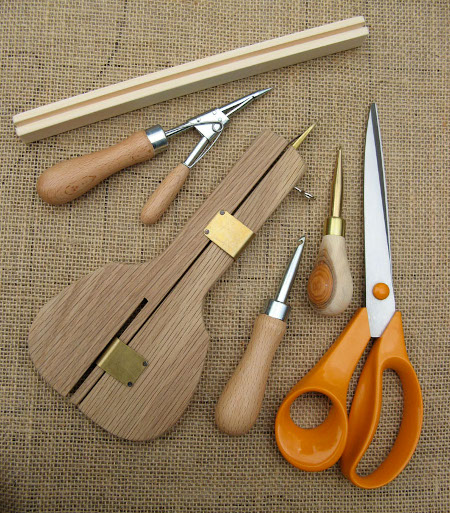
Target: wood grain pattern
[[330, 284], [69, 179], [112, 293], [187, 78], [240, 402], [72, 330], [174, 340], [164, 194]]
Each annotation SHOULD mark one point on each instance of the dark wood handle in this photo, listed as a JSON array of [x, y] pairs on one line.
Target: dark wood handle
[[69, 179], [164, 194]]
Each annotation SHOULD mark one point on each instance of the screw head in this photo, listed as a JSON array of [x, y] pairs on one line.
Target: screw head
[[206, 232], [222, 212], [130, 384]]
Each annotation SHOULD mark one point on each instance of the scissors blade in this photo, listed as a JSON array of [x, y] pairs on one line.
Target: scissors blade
[[376, 230]]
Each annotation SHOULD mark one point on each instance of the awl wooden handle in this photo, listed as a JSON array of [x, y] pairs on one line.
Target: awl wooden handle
[[164, 194], [239, 405], [330, 285], [69, 179]]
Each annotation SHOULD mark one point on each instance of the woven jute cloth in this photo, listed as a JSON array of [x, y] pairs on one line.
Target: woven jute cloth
[[52, 458]]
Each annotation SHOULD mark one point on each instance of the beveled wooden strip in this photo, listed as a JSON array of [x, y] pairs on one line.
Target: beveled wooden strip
[[186, 78]]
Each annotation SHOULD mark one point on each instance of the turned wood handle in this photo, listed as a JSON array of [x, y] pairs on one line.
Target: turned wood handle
[[164, 194], [330, 285], [69, 179], [239, 405]]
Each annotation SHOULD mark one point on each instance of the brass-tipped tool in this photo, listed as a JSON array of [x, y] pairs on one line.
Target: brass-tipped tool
[[335, 225], [240, 403], [296, 144], [304, 135], [330, 285]]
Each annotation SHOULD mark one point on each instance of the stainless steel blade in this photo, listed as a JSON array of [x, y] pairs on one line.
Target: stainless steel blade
[[376, 230]]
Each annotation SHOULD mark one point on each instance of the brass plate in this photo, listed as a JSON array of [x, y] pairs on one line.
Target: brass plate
[[228, 233], [122, 362]]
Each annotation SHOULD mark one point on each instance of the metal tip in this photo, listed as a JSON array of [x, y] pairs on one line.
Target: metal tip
[[304, 135], [235, 106], [337, 187], [261, 92], [290, 273]]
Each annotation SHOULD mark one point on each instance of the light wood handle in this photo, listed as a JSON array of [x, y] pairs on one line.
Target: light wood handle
[[164, 194], [239, 405], [69, 179], [330, 285]]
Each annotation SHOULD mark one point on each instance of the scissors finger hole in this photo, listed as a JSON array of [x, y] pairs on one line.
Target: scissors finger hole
[[388, 426], [309, 410]]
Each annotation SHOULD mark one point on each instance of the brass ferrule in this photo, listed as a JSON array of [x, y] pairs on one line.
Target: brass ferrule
[[334, 226]]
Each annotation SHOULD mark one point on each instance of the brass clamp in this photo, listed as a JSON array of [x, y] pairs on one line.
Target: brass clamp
[[228, 233]]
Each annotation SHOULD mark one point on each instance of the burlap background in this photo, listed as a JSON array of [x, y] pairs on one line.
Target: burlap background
[[52, 458]]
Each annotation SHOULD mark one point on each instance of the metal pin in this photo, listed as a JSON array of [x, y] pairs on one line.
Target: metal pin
[[337, 188], [305, 194]]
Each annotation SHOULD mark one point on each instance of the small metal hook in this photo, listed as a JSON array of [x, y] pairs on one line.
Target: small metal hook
[[307, 195]]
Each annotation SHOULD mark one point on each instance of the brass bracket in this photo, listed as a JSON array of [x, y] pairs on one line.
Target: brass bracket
[[228, 233], [122, 362]]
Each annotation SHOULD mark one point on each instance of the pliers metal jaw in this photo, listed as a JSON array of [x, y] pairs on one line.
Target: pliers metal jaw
[[210, 126]]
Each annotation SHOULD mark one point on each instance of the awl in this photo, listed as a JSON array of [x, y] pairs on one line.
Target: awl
[[240, 403], [330, 285]]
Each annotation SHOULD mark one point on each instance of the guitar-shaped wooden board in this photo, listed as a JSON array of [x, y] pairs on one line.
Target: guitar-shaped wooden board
[[155, 308]]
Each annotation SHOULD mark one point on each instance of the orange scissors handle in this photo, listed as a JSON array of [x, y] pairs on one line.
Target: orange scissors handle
[[319, 448], [388, 352]]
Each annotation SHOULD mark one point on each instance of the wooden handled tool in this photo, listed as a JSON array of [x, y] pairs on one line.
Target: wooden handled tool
[[127, 342], [68, 180], [164, 194], [240, 403], [330, 285]]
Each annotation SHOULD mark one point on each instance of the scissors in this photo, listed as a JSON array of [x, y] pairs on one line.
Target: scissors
[[348, 437]]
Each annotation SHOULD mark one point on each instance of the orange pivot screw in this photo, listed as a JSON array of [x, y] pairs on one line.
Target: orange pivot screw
[[381, 291]]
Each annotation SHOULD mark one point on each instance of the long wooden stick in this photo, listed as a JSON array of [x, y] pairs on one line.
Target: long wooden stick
[[187, 78]]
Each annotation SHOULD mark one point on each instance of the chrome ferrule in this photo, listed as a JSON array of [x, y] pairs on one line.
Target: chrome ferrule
[[157, 138], [277, 309]]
